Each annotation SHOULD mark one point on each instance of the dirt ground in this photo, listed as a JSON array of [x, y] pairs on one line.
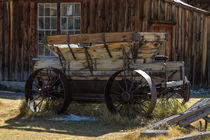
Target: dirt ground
[[14, 127]]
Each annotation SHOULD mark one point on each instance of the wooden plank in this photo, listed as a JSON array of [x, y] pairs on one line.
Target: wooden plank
[[14, 41], [153, 133], [190, 45], [186, 55], [194, 117], [92, 12], [147, 50], [141, 16], [6, 39], [198, 41], [174, 34], [19, 48], [188, 113], [137, 15], [194, 47], [201, 48], [26, 37], [202, 135], [100, 16], [180, 34], [115, 15], [85, 16], [1, 40], [145, 20], [121, 22], [132, 15], [11, 41], [126, 16], [33, 42], [109, 37], [205, 45], [183, 27], [108, 15], [208, 52]]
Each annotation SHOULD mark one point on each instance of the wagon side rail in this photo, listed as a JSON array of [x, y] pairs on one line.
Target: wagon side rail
[[106, 38]]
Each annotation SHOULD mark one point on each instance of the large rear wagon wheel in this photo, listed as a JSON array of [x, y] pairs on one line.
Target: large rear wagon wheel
[[47, 89], [130, 93]]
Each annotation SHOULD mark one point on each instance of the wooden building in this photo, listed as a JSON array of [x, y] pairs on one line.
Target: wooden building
[[23, 23]]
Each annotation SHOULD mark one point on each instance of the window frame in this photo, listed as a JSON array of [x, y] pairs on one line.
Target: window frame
[[58, 20], [74, 16]]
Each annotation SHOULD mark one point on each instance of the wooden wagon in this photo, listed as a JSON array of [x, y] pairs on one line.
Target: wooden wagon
[[122, 69]]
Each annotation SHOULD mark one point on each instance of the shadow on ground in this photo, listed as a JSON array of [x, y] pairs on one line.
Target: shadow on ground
[[82, 128], [11, 95]]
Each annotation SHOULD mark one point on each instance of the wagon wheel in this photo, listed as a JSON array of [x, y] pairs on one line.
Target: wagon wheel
[[47, 89], [130, 93], [180, 94]]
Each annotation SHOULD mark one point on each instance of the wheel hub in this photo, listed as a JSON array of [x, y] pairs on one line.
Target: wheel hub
[[126, 96], [44, 92]]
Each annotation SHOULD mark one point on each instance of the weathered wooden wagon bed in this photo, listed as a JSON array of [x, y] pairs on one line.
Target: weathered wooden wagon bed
[[106, 66]]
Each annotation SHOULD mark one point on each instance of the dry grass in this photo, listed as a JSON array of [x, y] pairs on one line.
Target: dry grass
[[18, 122], [173, 132], [26, 113]]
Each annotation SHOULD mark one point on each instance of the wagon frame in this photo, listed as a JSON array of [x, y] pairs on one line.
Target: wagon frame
[[83, 74]]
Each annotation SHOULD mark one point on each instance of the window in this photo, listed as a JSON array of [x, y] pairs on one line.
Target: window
[[48, 24], [70, 18]]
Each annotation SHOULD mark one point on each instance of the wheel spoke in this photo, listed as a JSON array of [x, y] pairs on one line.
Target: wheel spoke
[[122, 89], [56, 81], [132, 84], [124, 76], [116, 92]]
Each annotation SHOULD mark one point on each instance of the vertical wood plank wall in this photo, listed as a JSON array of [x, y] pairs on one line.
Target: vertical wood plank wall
[[17, 39], [188, 30]]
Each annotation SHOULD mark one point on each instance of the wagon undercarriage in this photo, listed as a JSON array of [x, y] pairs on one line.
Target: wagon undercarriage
[[113, 71]]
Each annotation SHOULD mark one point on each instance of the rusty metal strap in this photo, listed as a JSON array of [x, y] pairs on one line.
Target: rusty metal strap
[[105, 45], [70, 49], [89, 60], [61, 58]]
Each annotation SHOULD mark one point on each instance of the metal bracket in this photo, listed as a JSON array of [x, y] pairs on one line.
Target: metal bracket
[[89, 60], [126, 63], [105, 45], [61, 59], [70, 49], [136, 37]]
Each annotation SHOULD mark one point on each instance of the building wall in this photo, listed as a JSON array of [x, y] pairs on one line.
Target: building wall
[[188, 30]]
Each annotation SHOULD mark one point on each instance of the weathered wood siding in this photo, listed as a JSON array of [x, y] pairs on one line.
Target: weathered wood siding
[[17, 39], [188, 30]]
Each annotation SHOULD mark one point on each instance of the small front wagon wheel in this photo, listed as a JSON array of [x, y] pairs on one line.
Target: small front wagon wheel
[[47, 89], [130, 93]]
